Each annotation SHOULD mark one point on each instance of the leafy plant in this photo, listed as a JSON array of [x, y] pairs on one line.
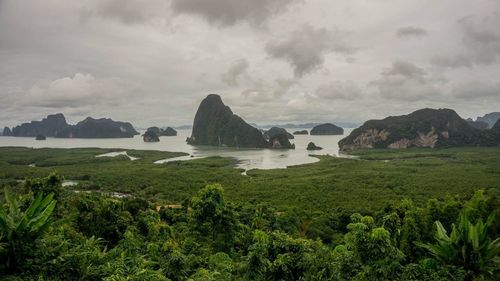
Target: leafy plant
[[467, 246], [20, 227]]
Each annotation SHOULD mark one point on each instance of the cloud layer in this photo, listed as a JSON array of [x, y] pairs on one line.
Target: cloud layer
[[152, 61]]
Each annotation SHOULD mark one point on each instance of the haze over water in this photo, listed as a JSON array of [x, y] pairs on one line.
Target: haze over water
[[247, 158]]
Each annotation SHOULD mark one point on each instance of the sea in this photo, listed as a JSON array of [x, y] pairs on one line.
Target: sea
[[246, 158]]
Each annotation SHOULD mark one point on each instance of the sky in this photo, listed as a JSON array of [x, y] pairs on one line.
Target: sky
[[151, 62]]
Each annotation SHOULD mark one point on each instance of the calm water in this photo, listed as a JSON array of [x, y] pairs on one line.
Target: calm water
[[247, 158]]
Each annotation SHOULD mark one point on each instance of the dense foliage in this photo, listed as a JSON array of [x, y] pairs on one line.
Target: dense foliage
[[365, 184], [90, 236]]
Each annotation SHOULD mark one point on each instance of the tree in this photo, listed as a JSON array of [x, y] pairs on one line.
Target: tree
[[47, 185], [212, 216], [467, 246], [19, 228]]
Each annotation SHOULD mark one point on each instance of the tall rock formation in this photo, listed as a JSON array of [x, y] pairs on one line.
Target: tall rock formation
[[216, 124]]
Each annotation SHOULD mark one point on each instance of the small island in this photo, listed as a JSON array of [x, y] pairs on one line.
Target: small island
[[40, 137], [150, 136], [313, 146], [303, 132], [327, 129]]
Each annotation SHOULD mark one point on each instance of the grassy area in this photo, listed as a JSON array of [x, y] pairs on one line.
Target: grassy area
[[365, 184]]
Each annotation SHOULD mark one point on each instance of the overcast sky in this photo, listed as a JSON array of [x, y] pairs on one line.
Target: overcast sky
[[151, 62]]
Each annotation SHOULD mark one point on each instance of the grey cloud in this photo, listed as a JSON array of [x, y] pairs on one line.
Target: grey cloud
[[229, 12], [452, 61], [410, 31], [259, 92], [127, 11], [345, 90], [306, 48], [405, 81], [481, 37], [476, 90], [236, 69], [481, 42]]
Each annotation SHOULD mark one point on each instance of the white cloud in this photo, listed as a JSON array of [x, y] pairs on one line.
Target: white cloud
[[77, 91]]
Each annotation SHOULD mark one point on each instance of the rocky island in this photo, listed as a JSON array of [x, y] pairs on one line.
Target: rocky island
[[168, 132], [215, 124], [274, 131], [422, 128], [327, 129], [55, 125], [313, 146], [98, 128], [150, 136], [303, 132]]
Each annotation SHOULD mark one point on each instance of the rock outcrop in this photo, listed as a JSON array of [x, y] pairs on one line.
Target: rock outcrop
[[98, 128], [168, 132], [422, 128], [49, 126], [280, 141], [215, 124], [303, 132], [490, 118], [150, 136], [155, 130], [7, 132], [274, 131], [327, 129], [40, 137], [313, 146], [478, 124]]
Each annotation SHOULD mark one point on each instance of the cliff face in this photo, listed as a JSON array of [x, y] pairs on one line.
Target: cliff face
[[215, 124], [49, 126], [422, 128], [98, 128], [327, 129]]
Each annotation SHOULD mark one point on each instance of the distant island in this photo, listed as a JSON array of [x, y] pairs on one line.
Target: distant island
[[327, 129], [422, 128], [55, 125], [168, 132]]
